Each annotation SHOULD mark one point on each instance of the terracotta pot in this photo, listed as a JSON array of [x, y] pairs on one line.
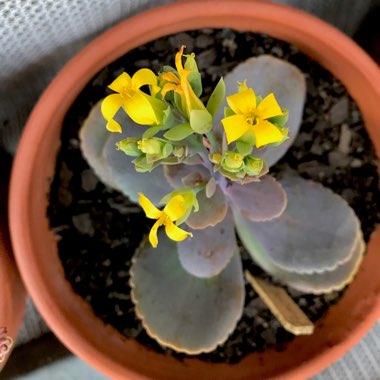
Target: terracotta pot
[[68, 315], [12, 292]]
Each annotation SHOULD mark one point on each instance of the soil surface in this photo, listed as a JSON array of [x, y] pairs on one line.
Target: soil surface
[[100, 229]]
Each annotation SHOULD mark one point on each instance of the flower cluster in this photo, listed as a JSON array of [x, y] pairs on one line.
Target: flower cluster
[[180, 130]]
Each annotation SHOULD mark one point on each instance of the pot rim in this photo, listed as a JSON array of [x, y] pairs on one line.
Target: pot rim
[[310, 34], [12, 291]]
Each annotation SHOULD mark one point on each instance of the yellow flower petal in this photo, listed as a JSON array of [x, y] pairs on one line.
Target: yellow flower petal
[[269, 107], [110, 106], [121, 82], [113, 126], [154, 90], [175, 233], [192, 101], [151, 211], [153, 233], [266, 133], [170, 87], [143, 77], [243, 102], [140, 110], [169, 77], [175, 208], [235, 126], [178, 60]]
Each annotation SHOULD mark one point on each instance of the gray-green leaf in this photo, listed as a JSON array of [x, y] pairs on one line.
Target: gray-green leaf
[[181, 311], [93, 135], [216, 98], [315, 246]]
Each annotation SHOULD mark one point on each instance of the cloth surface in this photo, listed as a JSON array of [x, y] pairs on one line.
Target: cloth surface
[[33, 325], [37, 37]]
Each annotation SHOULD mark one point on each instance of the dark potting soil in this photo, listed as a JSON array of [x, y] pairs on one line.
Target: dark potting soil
[[100, 229]]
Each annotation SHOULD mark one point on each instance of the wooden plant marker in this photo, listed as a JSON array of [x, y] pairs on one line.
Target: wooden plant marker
[[288, 313]]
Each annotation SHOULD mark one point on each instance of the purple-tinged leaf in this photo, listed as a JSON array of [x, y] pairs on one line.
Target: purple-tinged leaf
[[337, 279], [258, 201], [182, 175], [209, 251], [315, 283], [93, 136], [316, 233], [186, 313], [211, 210]]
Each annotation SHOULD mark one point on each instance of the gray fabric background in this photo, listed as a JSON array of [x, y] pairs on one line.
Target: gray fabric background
[[37, 37]]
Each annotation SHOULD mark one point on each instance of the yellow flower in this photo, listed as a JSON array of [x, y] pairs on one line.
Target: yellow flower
[[181, 85], [252, 117], [141, 107], [174, 210]]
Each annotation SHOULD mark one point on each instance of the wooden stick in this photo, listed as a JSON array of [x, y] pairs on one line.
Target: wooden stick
[[288, 313]]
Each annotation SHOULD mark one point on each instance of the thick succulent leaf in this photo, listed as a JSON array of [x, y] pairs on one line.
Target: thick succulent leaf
[[266, 74], [258, 201], [328, 281], [317, 231], [181, 311], [186, 175], [93, 136], [112, 166], [179, 132], [315, 283], [154, 184], [216, 98], [209, 251], [211, 210]]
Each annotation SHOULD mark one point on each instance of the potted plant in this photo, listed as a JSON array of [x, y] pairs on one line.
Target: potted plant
[[12, 292], [71, 318]]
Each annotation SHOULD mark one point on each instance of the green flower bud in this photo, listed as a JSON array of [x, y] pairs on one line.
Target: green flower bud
[[233, 161], [150, 146], [180, 151], [129, 146], [253, 165], [141, 165], [216, 158]]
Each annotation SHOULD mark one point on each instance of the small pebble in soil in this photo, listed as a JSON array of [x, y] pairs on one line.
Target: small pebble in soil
[[100, 229]]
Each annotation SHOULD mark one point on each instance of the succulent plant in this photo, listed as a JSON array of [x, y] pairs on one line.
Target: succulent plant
[[208, 165]]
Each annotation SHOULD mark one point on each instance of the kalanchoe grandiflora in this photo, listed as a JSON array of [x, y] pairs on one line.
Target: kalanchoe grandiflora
[[189, 136], [208, 170]]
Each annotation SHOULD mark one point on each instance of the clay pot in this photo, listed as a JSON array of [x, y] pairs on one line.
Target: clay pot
[[12, 292], [68, 315]]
